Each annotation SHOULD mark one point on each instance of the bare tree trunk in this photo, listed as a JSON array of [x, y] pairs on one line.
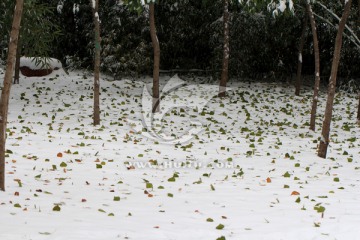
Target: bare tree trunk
[[298, 82], [324, 143], [358, 114], [5, 94], [156, 48], [96, 116], [317, 66], [17, 63], [226, 53]]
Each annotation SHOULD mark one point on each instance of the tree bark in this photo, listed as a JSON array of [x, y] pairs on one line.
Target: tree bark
[[17, 63], [226, 51], [96, 117], [156, 70], [5, 94], [358, 114], [298, 82], [324, 143], [317, 66]]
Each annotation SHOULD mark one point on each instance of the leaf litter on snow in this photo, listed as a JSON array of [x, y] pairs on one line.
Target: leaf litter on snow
[[254, 161]]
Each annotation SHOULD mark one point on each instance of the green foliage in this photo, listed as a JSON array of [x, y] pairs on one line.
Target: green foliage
[[37, 31], [191, 37]]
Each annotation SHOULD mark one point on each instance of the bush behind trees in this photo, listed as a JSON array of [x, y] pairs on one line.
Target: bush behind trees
[[190, 34]]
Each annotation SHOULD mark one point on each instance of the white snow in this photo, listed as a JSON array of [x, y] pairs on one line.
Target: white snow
[[252, 168], [35, 63]]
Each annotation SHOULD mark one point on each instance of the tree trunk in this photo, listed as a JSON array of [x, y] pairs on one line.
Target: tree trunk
[[17, 63], [226, 51], [156, 47], [5, 94], [298, 82], [317, 66], [358, 114], [96, 116], [324, 143]]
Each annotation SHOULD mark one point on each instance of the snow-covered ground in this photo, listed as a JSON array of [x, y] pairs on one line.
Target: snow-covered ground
[[251, 173]]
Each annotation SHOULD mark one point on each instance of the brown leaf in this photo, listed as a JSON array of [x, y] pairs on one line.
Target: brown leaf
[[295, 193], [150, 195], [268, 180], [60, 155], [83, 200], [131, 168], [16, 193]]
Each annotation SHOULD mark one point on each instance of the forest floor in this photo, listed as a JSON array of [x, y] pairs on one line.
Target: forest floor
[[249, 171]]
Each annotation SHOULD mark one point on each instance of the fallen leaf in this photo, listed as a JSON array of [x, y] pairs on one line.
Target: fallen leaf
[[268, 180], [60, 155], [295, 193]]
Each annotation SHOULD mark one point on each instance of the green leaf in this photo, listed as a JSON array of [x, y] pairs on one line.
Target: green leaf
[[63, 164], [212, 187], [170, 195], [116, 198], [221, 238], [98, 166], [172, 179], [220, 226], [149, 185], [287, 174], [336, 179], [210, 220], [56, 208], [319, 208], [17, 205]]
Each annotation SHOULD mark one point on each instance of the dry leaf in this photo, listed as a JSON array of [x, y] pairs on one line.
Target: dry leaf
[[268, 180], [131, 168], [59, 155], [295, 193]]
